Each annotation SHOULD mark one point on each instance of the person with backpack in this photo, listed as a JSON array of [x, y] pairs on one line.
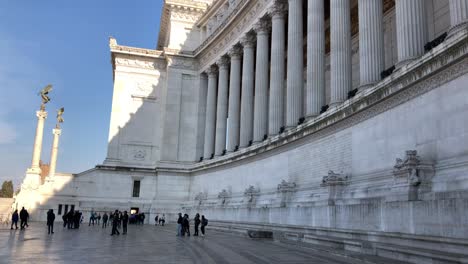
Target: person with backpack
[[204, 223]]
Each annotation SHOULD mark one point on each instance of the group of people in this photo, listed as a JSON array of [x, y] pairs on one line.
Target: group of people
[[183, 225], [72, 219], [119, 220], [160, 220], [22, 216]]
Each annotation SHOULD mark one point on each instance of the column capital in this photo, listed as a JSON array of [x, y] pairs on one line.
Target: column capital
[[57, 131], [223, 62], [263, 25], [278, 9], [235, 52], [41, 114], [248, 41], [212, 71]]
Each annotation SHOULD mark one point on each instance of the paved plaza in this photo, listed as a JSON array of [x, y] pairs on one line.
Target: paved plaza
[[150, 244]]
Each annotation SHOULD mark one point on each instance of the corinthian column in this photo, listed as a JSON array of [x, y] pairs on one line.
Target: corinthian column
[[234, 98], [340, 28], [458, 15], [210, 113], [53, 154], [37, 149], [315, 57], [294, 98], [247, 99], [261, 79], [411, 29], [221, 112], [371, 48], [277, 75]]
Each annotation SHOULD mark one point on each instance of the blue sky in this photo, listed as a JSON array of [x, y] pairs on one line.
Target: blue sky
[[64, 43]]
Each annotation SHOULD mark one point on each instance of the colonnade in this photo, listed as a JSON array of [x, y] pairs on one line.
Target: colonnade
[[257, 89]]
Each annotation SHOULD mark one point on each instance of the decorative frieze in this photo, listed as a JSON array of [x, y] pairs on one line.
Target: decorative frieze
[[333, 179], [200, 197], [141, 63], [251, 193], [182, 63], [224, 195], [285, 187]]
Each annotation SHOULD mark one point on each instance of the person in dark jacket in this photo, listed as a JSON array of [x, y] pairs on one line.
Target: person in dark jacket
[[105, 217], [14, 219], [204, 222], [50, 221], [23, 215], [124, 222], [70, 219], [186, 225], [197, 223], [115, 222], [179, 225]]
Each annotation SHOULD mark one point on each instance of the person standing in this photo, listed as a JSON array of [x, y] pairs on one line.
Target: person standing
[[179, 225], [105, 217], [115, 222], [14, 219], [197, 223], [204, 223], [186, 225], [156, 219], [50, 221], [124, 222], [98, 219], [162, 220], [23, 218]]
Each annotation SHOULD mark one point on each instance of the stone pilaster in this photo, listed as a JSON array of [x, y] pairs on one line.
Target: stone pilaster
[[295, 64], [53, 154], [371, 48], [411, 29], [37, 148], [247, 97], [315, 57], [222, 105], [340, 30], [261, 79], [458, 15], [210, 112], [234, 98]]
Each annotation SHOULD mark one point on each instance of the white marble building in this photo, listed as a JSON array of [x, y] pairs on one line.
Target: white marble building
[[319, 118]]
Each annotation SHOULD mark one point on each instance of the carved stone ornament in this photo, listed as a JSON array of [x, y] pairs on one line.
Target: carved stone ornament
[[248, 40], [223, 195], [251, 192], [263, 25], [285, 186], [212, 71], [139, 154], [406, 170], [223, 62], [200, 197], [278, 9], [236, 51], [333, 179]]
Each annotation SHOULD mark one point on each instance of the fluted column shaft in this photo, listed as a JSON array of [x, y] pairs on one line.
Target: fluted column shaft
[[295, 64], [458, 14], [234, 98], [247, 97], [53, 154], [340, 30], [371, 48], [315, 57], [277, 74], [222, 105], [411, 29], [210, 113], [261, 80], [37, 149]]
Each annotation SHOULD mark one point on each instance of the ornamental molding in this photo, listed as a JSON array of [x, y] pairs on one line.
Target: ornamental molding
[[139, 62], [334, 179], [236, 51], [285, 187], [182, 63], [251, 192]]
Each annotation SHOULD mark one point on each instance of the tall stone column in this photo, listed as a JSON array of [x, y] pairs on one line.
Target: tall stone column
[[261, 79], [210, 112], [53, 154], [315, 57], [234, 98], [277, 74], [458, 15], [295, 64], [247, 97], [371, 48], [411, 29], [222, 105], [37, 149], [340, 62]]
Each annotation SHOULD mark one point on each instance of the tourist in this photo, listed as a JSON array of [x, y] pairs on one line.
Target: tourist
[[124, 222], [197, 223], [77, 219], [115, 222], [156, 220], [14, 219], [50, 221], [162, 220], [105, 217], [142, 218], [64, 219], [23, 218], [98, 218], [179, 225], [204, 222], [91, 218], [186, 225]]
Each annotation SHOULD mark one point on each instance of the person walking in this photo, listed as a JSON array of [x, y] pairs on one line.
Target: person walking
[[124, 222], [50, 221], [23, 218], [14, 219], [162, 220], [197, 222], [179, 225], [115, 222], [204, 223], [105, 217]]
